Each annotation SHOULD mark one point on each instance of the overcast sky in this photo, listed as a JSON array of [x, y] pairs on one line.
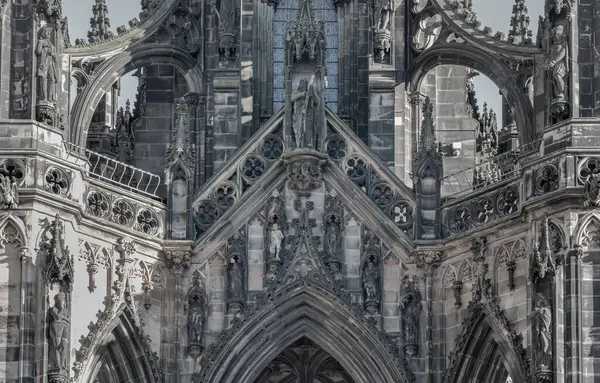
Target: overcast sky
[[493, 13]]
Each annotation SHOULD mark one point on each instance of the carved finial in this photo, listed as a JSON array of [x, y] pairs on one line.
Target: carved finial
[[471, 98], [139, 104], [520, 33], [59, 265], [180, 153], [99, 23], [306, 35], [542, 260], [427, 140]]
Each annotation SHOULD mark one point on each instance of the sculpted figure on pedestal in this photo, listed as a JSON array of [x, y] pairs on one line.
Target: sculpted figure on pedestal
[[276, 240], [58, 335], [556, 63], [46, 67], [541, 319], [304, 117]]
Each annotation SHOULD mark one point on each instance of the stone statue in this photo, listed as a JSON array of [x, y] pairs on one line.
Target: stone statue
[[369, 280], [195, 322], [272, 274], [541, 320], [276, 241], [9, 194], [58, 335], [332, 236], [592, 190], [557, 62], [226, 13], [46, 67], [235, 280], [410, 322], [384, 8], [305, 102]]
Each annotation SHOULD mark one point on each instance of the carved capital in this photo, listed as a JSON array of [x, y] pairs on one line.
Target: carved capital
[[192, 99], [178, 261], [126, 246], [478, 247], [428, 260]]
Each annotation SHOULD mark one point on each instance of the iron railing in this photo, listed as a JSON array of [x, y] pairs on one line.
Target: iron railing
[[116, 173], [506, 166]]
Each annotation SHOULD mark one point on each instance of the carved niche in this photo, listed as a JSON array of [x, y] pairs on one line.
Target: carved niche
[[333, 227], [382, 29], [541, 319], [411, 308], [227, 17], [371, 272], [197, 312], [276, 229], [236, 271], [47, 76]]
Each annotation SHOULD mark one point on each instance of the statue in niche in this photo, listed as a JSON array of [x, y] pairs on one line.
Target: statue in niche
[[541, 319], [557, 62], [305, 102], [592, 190], [9, 193], [369, 280], [195, 323], [58, 335], [410, 308], [332, 235], [235, 280], [272, 274], [46, 67], [276, 242]]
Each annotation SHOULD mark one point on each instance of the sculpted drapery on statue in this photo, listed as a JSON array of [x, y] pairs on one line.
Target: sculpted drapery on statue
[[58, 336], [556, 63], [46, 67], [305, 117], [541, 319]]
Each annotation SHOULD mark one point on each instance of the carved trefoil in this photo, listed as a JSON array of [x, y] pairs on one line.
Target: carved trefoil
[[236, 271], [197, 312], [411, 308], [59, 261]]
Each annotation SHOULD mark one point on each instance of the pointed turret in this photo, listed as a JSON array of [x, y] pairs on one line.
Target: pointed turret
[[427, 176], [99, 23], [520, 34]]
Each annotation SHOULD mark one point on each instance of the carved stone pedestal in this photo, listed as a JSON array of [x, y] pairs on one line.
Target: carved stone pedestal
[[57, 377], [371, 306], [304, 170], [383, 43], [45, 112], [559, 111]]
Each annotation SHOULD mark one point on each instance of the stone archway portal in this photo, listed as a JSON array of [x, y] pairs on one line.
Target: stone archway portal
[[304, 362]]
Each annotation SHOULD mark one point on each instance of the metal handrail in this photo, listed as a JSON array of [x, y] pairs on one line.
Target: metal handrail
[[115, 172]]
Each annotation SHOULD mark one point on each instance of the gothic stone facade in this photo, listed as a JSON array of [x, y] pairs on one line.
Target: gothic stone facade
[[301, 191]]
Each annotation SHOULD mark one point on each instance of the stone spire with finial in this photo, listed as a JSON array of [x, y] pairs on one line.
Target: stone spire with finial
[[99, 23], [428, 146], [520, 33]]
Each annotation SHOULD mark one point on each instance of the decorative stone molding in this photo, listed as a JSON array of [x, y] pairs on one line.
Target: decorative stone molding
[[546, 179], [95, 258], [304, 170], [475, 313], [128, 213], [58, 268], [56, 181], [428, 260], [486, 209], [543, 262], [178, 256], [302, 269]]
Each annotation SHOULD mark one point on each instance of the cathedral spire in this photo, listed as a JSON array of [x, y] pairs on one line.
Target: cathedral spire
[[99, 23], [520, 34]]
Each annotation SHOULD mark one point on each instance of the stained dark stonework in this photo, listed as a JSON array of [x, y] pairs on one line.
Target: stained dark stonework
[[223, 226]]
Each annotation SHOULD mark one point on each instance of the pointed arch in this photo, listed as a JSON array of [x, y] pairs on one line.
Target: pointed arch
[[305, 311], [118, 353], [586, 226], [449, 275], [487, 348], [13, 231]]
